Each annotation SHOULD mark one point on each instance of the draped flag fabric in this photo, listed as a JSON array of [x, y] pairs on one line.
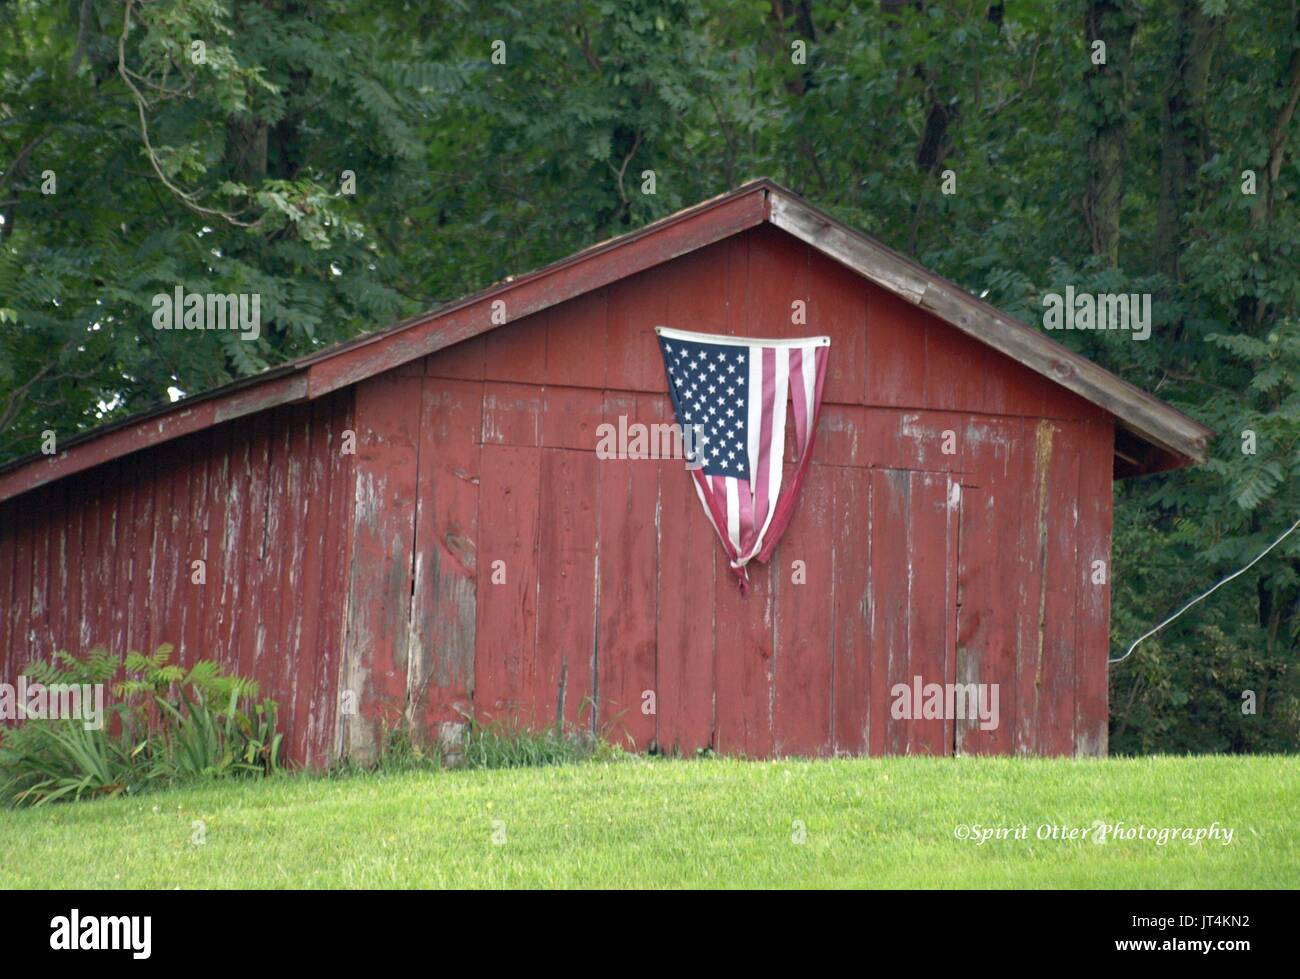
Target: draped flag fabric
[[730, 395]]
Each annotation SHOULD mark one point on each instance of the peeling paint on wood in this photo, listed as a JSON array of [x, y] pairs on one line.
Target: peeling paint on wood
[[367, 580]]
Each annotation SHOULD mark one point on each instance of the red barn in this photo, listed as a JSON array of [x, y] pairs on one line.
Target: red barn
[[415, 527]]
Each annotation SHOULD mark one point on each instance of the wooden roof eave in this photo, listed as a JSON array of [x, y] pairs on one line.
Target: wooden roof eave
[[1134, 410]]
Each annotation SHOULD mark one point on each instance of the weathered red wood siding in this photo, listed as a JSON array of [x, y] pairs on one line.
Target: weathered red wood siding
[[475, 557], [103, 558], [612, 602]]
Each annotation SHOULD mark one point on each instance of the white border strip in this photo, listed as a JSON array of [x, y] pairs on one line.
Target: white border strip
[[671, 334]]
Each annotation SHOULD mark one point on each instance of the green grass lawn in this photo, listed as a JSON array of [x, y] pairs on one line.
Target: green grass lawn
[[642, 822]]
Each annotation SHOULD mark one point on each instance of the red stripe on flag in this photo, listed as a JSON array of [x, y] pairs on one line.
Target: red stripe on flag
[[747, 530], [790, 493], [799, 397]]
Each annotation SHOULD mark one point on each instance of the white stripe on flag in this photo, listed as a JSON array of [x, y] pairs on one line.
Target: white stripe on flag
[[733, 511], [755, 419], [778, 424], [699, 491], [776, 448]]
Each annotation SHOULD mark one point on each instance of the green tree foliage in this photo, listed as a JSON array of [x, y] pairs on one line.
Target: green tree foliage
[[1171, 168]]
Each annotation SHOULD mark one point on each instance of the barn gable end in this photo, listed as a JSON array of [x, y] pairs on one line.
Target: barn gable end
[[613, 583]]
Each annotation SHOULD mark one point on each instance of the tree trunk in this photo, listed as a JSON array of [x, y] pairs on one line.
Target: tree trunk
[[1184, 144], [1263, 209], [804, 28], [1105, 86]]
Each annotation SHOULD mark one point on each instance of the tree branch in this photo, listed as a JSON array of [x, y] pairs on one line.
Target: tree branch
[[185, 198]]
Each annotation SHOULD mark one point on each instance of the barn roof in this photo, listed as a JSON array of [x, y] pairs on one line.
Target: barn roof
[[1150, 435]]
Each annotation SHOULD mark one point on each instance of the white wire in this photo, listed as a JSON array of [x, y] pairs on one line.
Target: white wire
[[1205, 594]]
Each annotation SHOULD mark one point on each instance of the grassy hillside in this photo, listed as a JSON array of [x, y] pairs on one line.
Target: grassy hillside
[[874, 823]]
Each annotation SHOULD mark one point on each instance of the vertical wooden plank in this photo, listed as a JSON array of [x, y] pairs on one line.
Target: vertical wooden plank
[[386, 420], [43, 525], [254, 544], [173, 573], [743, 660], [1060, 579], [25, 517], [8, 574], [636, 305], [95, 631], [855, 711], [890, 578], [338, 561], [315, 689], [141, 543], [628, 588], [804, 608], [735, 281], [988, 565], [159, 548], [120, 608], [974, 608], [953, 539], [91, 556], [696, 292], [687, 626], [43, 587], [1023, 391], [576, 342], [1000, 392], [516, 351], [928, 605], [196, 521], [566, 586], [506, 608], [294, 662], [1092, 641], [52, 520], [778, 275], [79, 562], [461, 361], [837, 308], [1036, 442], [896, 354], [444, 609], [60, 632], [265, 651], [217, 587], [232, 532], [950, 382]]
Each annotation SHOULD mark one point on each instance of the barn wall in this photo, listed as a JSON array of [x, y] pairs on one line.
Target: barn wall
[[103, 558], [610, 583], [475, 557]]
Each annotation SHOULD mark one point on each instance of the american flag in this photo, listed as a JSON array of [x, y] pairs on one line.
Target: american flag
[[730, 396]]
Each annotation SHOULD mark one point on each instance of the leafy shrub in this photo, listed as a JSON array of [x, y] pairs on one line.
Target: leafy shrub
[[169, 725], [48, 760]]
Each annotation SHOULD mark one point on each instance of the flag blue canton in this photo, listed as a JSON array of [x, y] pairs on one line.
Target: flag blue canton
[[709, 386]]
